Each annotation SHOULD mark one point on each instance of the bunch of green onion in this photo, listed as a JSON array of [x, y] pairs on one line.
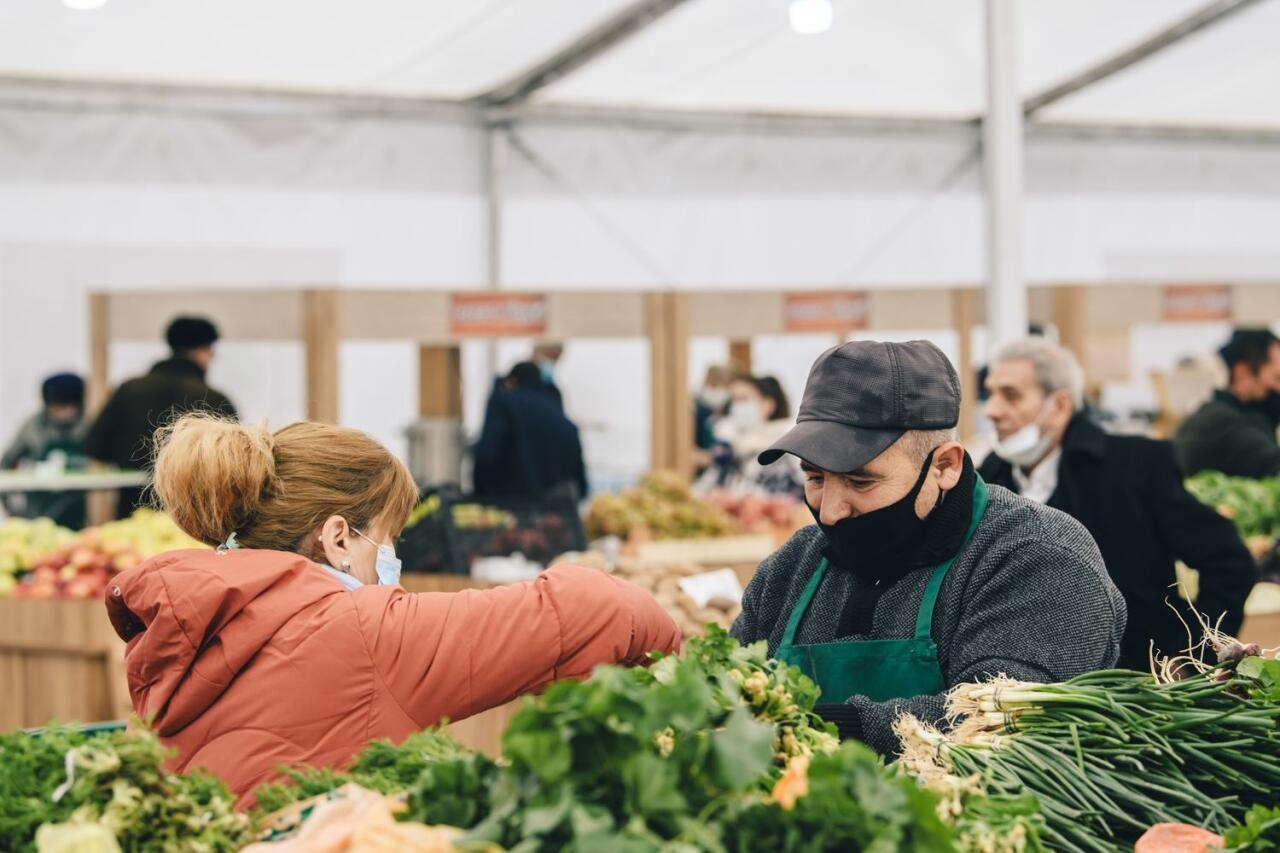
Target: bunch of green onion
[[1110, 754]]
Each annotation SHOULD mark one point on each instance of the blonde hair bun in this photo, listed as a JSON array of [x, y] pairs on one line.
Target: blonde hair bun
[[212, 474], [216, 477]]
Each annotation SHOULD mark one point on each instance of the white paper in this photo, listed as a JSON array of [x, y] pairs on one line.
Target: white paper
[[722, 583]]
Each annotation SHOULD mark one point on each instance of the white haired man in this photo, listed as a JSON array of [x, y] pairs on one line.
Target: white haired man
[[917, 576], [1128, 492]]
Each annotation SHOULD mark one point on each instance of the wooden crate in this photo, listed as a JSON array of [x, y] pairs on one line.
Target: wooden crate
[[59, 660]]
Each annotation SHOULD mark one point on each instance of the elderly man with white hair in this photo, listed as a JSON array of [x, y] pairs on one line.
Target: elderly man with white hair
[[1126, 490]]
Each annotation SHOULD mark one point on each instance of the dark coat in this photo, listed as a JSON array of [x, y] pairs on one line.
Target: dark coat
[[125, 428], [1229, 436], [527, 446], [1127, 491]]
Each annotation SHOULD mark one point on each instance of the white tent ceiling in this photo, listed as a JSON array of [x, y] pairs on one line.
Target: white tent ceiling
[[905, 58]]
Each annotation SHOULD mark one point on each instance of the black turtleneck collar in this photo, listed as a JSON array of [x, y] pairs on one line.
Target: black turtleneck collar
[[179, 366], [949, 521]]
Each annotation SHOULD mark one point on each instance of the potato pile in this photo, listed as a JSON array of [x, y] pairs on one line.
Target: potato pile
[[663, 582]]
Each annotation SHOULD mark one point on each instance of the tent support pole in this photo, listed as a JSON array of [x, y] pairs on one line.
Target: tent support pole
[[1002, 156]]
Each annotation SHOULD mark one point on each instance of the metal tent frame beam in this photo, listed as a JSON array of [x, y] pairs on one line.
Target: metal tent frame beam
[[578, 53], [1209, 15]]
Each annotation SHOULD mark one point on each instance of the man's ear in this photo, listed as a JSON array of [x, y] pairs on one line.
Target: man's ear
[[948, 461]]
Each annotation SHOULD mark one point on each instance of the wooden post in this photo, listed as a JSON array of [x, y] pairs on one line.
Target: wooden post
[[1070, 316], [964, 309], [99, 352], [439, 381], [740, 356], [671, 438], [321, 331]]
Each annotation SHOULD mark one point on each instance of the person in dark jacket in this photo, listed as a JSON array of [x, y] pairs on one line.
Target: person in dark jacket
[[124, 430], [527, 446], [1126, 490], [57, 429], [1235, 432]]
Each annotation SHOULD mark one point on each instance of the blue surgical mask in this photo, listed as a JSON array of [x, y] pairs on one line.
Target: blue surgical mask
[[548, 369], [388, 565]]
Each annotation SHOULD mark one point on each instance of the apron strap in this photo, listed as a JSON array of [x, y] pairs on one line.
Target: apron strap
[[924, 617], [802, 606]]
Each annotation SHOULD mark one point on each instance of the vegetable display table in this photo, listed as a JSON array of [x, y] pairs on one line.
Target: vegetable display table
[[71, 481]]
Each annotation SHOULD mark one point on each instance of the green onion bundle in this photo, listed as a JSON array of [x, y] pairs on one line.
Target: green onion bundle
[[1110, 754]]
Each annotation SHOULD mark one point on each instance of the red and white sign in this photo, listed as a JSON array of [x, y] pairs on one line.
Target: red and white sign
[[498, 314], [826, 312], [1194, 302]]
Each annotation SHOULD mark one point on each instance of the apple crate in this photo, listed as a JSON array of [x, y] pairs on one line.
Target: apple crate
[[465, 528], [59, 660]]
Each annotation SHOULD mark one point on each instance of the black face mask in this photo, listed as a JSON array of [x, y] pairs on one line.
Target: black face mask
[[879, 544]]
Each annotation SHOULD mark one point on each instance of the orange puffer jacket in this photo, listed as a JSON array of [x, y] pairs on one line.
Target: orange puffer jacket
[[245, 661]]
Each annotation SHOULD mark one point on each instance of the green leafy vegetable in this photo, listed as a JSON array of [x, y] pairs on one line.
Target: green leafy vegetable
[[116, 780]]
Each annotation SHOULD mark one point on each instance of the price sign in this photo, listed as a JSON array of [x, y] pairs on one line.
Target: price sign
[[826, 312], [498, 314], [1195, 302]]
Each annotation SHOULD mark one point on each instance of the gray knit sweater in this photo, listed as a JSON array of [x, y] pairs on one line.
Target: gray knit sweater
[[1028, 596]]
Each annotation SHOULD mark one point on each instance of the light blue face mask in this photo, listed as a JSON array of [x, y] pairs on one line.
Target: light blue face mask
[[388, 564], [547, 368]]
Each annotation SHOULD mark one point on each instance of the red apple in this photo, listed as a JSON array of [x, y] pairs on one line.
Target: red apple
[[82, 556], [80, 588], [126, 561]]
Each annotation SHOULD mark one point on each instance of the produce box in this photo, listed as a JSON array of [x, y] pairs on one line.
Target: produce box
[[449, 530], [59, 660]]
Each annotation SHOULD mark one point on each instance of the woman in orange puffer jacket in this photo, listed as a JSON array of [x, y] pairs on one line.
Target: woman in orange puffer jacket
[[297, 645]]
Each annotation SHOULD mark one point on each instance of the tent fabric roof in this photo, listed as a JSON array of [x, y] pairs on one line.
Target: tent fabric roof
[[907, 58]]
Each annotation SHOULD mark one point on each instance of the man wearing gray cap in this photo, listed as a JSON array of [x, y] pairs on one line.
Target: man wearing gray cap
[[918, 576]]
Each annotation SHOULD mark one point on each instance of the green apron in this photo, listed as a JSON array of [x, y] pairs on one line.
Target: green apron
[[877, 669]]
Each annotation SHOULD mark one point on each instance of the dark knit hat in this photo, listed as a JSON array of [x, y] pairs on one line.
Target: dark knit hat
[[186, 333], [63, 389]]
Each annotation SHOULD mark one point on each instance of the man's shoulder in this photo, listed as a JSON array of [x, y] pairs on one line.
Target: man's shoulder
[[1028, 528], [1210, 415], [1140, 450]]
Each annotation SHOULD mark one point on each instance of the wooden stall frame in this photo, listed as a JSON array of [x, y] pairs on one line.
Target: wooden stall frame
[[1093, 320]]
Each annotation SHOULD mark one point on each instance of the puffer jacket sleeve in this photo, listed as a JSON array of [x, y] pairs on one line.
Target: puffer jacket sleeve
[[456, 654]]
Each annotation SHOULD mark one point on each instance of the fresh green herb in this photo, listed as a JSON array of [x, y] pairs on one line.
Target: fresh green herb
[[116, 780], [1110, 754], [1260, 832]]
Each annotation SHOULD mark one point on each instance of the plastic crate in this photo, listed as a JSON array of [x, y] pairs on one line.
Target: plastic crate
[[463, 528]]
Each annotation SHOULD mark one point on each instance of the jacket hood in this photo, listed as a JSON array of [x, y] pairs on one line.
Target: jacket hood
[[194, 619]]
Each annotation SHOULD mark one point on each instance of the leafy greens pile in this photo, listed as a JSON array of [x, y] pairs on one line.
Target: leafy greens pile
[[117, 781], [1254, 505], [716, 750]]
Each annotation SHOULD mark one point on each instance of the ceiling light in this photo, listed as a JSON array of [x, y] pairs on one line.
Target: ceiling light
[[84, 5], [811, 17]]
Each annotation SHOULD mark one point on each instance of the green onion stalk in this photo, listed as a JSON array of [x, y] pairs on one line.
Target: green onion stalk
[[1110, 754]]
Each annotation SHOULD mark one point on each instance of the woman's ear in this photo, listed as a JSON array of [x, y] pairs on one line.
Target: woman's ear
[[335, 542]]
